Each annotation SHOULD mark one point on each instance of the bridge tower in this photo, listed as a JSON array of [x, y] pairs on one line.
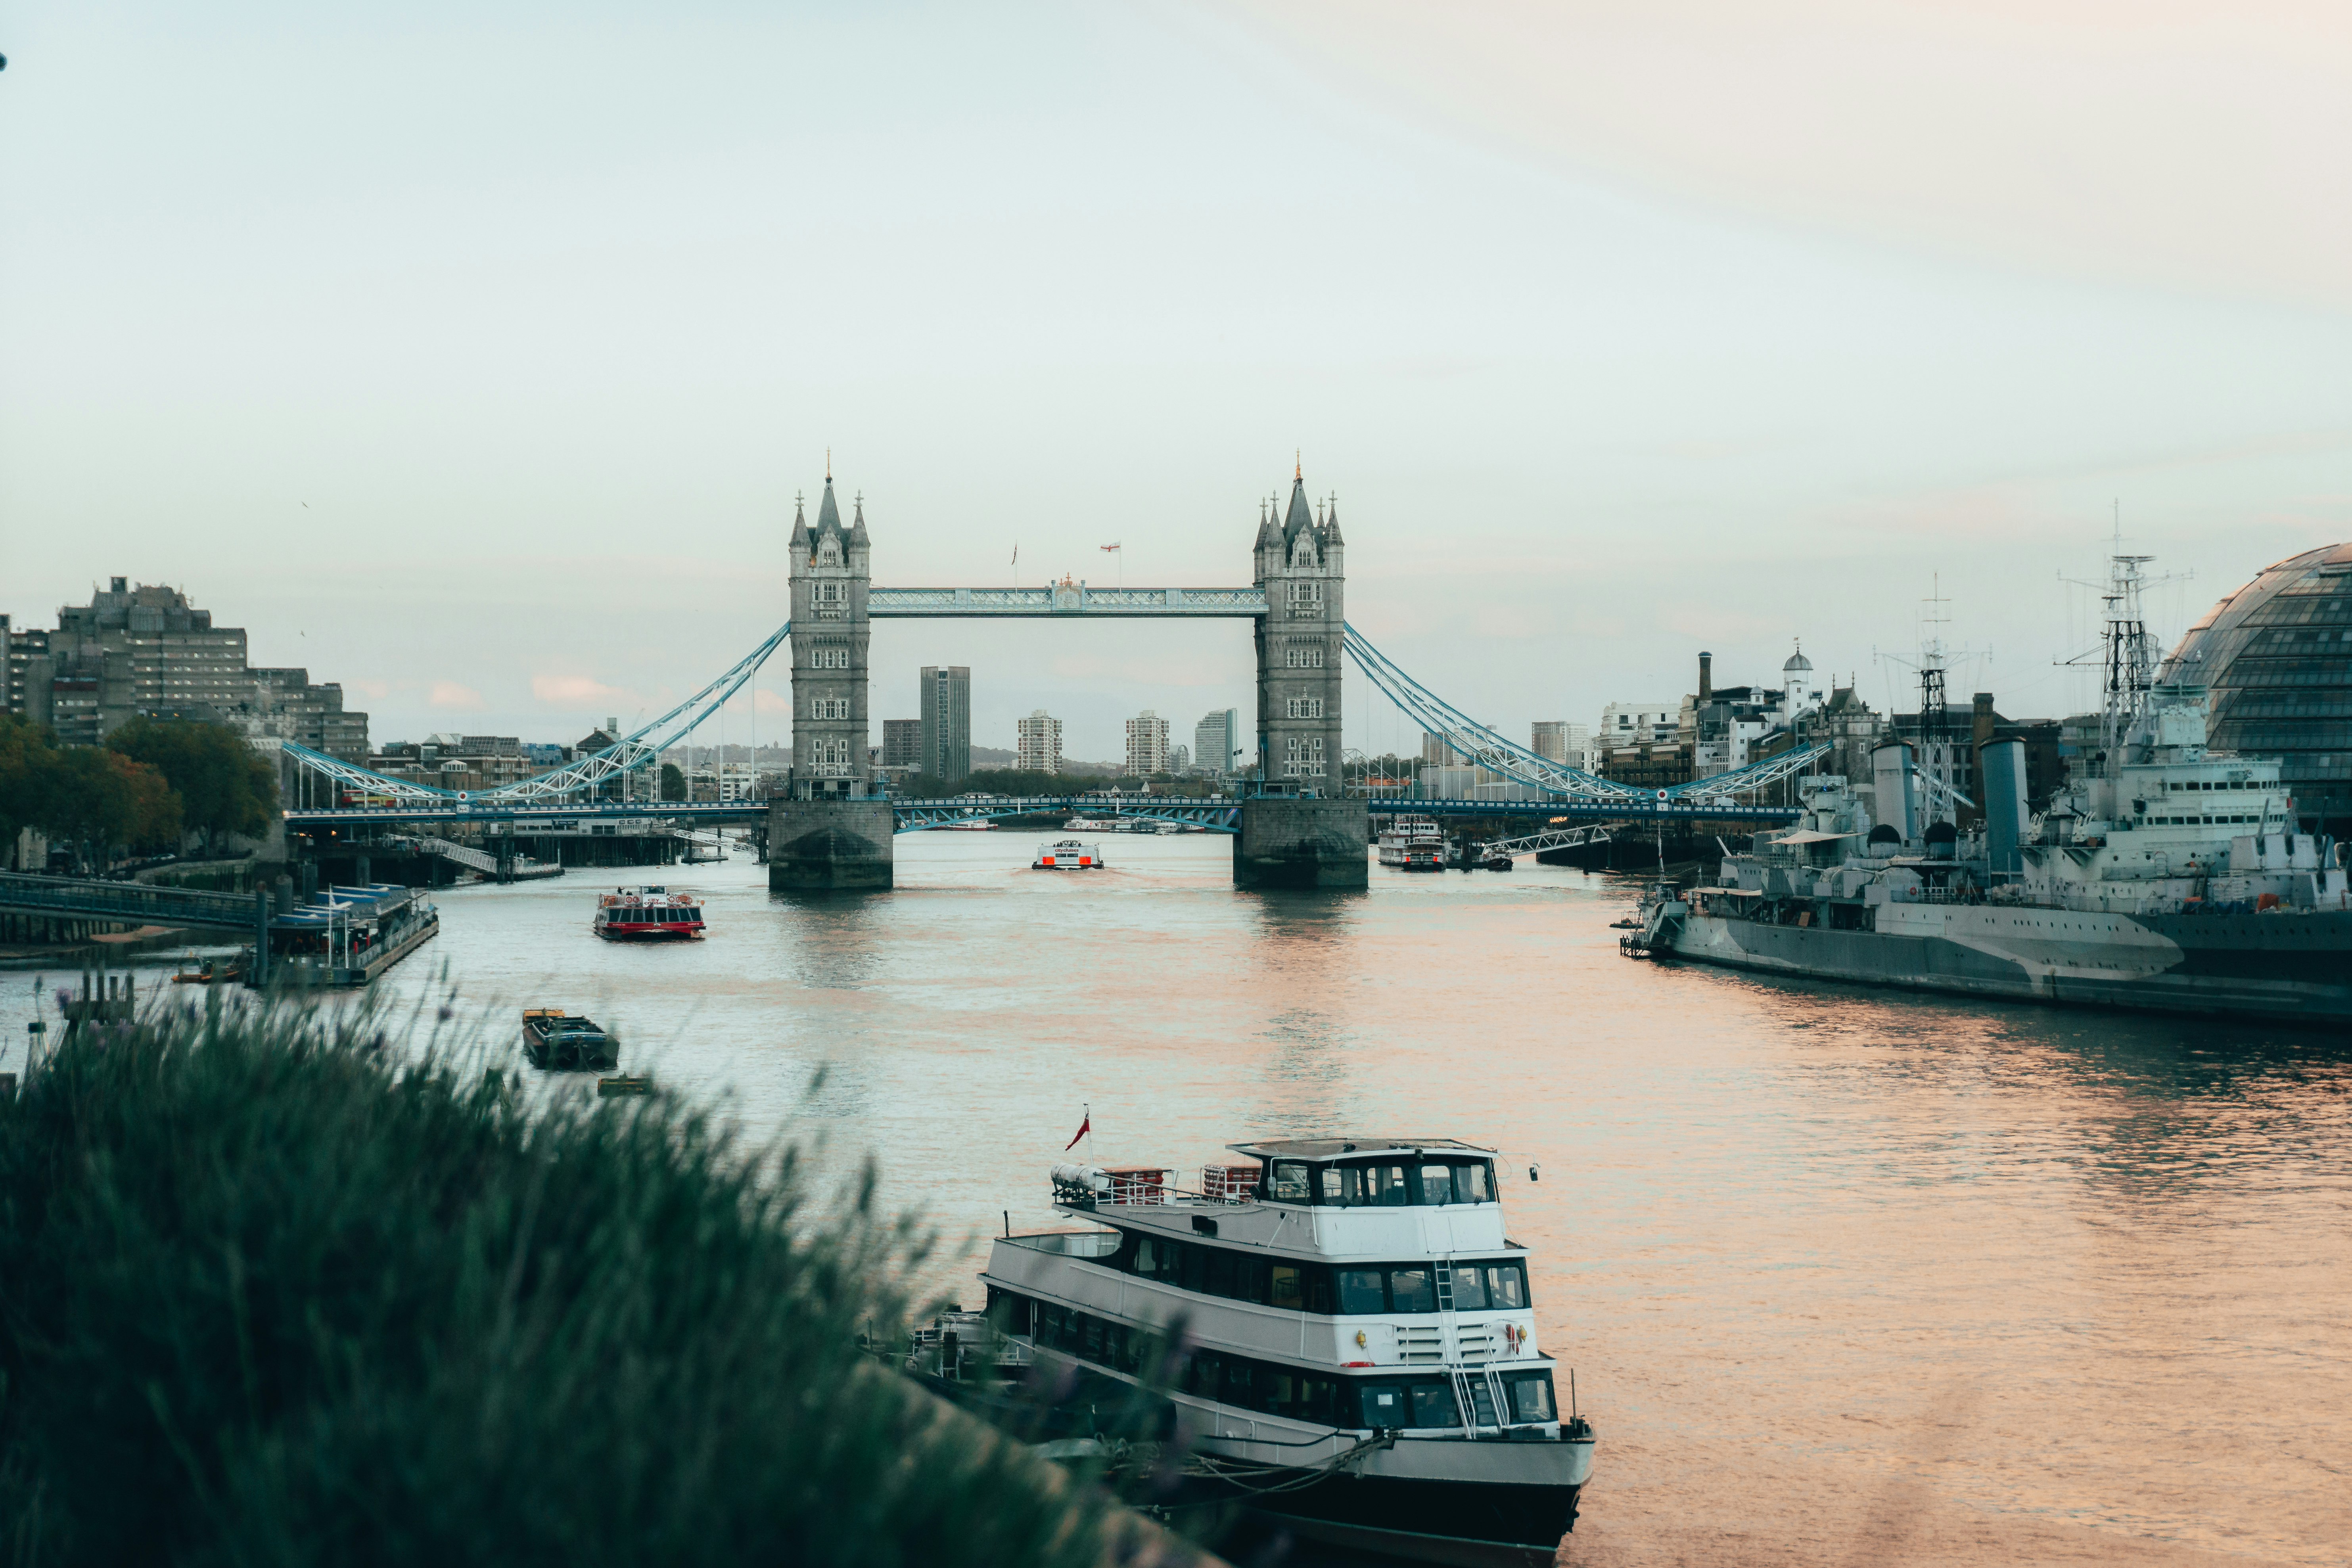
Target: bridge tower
[[831, 571], [832, 832], [1300, 830]]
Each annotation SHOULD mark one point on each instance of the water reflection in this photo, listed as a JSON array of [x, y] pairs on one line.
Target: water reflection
[[1777, 1222]]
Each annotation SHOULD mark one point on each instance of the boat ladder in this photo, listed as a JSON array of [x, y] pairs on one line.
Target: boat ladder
[[1478, 1390]]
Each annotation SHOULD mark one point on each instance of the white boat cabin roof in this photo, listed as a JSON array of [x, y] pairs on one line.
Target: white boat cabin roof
[[1360, 1147]]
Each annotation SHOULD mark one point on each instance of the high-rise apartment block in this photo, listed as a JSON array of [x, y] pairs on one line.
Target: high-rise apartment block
[[1147, 744], [1037, 742], [146, 650], [1215, 738], [947, 722], [1435, 752]]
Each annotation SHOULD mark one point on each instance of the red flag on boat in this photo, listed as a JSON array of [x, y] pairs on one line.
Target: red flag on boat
[[1083, 1128]]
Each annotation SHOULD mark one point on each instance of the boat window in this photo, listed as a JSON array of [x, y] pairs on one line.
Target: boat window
[[1205, 1375], [1385, 1184], [1286, 1291], [1220, 1273], [1250, 1280], [1531, 1397], [1146, 1257], [1433, 1406], [1362, 1290], [1240, 1383], [1195, 1263], [1386, 1405], [1437, 1183], [1410, 1290], [1290, 1183], [1332, 1180], [1470, 1289], [1473, 1184], [1506, 1285]]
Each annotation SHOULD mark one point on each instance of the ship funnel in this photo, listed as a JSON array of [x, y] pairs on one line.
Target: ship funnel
[[2000, 777], [1893, 799]]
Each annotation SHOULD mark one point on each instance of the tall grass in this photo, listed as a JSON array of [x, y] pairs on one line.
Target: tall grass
[[272, 1292]]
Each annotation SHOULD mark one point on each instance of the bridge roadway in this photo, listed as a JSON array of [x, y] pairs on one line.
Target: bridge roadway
[[1219, 814]]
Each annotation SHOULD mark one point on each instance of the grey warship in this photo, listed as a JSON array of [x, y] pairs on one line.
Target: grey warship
[[2165, 875]]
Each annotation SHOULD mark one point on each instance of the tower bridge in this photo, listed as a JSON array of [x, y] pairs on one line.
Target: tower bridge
[[832, 827]]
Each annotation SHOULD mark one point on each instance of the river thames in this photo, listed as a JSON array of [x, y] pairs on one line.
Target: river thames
[[1845, 1277]]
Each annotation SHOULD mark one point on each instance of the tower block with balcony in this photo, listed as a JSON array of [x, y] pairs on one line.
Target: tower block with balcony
[[1300, 831], [831, 832]]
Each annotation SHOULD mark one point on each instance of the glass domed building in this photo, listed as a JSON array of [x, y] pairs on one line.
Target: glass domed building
[[2278, 656]]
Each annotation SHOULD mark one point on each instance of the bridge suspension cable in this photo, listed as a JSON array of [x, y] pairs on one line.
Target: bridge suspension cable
[[1486, 746], [634, 750]]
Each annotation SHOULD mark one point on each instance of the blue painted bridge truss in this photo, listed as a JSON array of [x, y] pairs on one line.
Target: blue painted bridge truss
[[551, 801]]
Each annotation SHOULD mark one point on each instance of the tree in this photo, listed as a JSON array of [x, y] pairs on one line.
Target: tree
[[28, 779], [673, 783], [223, 786], [104, 798]]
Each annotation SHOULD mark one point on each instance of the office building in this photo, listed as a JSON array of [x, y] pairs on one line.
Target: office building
[[146, 650], [946, 739], [902, 743], [1217, 741], [1037, 743], [1147, 744], [1557, 741], [1435, 752]]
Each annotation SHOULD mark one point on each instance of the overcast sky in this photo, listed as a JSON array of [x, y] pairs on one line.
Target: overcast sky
[[472, 354]]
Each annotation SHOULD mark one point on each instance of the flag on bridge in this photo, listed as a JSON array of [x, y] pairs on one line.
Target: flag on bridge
[[1109, 548], [1083, 1128]]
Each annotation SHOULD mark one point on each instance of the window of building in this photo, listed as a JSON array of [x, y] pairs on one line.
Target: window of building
[[1305, 708]]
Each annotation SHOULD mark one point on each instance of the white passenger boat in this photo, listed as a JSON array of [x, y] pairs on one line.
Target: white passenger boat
[[1412, 844], [1355, 1349], [1068, 855]]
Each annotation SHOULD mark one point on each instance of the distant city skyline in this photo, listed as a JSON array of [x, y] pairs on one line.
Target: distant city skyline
[[1604, 376]]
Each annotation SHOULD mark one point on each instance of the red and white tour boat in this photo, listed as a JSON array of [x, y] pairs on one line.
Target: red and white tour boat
[[647, 914]]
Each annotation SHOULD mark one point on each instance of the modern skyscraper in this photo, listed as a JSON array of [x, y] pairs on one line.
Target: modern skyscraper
[[1037, 743], [1215, 738], [902, 743], [947, 720], [1147, 744]]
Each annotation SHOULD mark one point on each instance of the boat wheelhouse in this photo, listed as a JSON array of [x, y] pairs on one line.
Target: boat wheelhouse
[[647, 914], [1068, 855], [1358, 1341], [1412, 844]]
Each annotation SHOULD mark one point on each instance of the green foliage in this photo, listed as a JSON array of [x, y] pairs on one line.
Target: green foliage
[[276, 1292], [82, 795], [673, 782], [223, 786]]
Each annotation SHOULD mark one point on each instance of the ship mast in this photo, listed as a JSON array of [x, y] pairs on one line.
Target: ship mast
[[2130, 652]]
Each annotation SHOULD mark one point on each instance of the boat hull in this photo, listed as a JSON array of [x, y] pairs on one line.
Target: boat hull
[[2292, 968], [650, 933], [1465, 1524]]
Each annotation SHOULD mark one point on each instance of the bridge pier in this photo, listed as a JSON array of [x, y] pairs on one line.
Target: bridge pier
[[1287, 842], [831, 846]]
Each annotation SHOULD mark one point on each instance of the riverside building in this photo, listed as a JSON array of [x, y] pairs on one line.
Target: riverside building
[[947, 722]]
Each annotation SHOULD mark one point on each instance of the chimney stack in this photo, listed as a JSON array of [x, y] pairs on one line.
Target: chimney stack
[[1705, 677]]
